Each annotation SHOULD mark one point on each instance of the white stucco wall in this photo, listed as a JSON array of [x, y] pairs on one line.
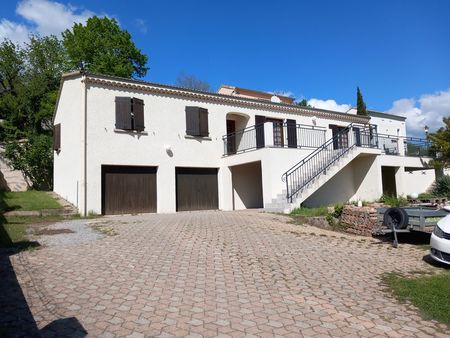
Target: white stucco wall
[[417, 181], [68, 168], [165, 127], [389, 126], [359, 180], [367, 178]]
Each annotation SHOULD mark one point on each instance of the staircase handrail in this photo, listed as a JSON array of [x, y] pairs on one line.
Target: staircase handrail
[[291, 192]]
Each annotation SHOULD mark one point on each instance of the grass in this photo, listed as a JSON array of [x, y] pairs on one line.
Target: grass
[[13, 230], [310, 212], [431, 294], [13, 233], [27, 201]]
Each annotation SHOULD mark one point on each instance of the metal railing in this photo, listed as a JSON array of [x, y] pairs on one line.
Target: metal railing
[[242, 140], [397, 145], [317, 162], [280, 135], [305, 136], [388, 144], [354, 135], [415, 146]]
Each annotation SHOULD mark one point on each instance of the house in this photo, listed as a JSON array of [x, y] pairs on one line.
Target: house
[[254, 94], [127, 146]]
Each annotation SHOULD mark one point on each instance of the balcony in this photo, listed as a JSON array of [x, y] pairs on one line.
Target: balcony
[[273, 135], [398, 145], [286, 135]]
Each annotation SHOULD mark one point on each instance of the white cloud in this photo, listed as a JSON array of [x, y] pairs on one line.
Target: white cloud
[[141, 25], [329, 105], [43, 17], [428, 110], [14, 31], [51, 17]]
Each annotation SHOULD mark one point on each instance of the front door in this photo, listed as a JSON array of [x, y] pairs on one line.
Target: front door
[[278, 137], [231, 137], [340, 137]]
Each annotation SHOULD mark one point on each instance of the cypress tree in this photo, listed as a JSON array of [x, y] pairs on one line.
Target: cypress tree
[[360, 105]]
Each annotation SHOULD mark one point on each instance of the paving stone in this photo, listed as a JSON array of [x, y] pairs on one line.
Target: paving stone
[[211, 273]]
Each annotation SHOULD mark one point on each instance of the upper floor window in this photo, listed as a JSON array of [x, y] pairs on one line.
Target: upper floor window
[[197, 121], [129, 113]]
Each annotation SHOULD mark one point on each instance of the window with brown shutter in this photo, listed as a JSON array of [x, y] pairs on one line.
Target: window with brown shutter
[[292, 133], [129, 113], [57, 137], [197, 121], [138, 114], [203, 122], [259, 126], [123, 113]]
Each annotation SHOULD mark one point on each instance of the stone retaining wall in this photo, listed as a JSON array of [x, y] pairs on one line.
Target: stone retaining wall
[[360, 221]]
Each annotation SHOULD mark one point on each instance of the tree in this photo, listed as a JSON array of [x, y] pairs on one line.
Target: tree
[[12, 62], [29, 78], [360, 105], [303, 103], [441, 145], [101, 46], [192, 82]]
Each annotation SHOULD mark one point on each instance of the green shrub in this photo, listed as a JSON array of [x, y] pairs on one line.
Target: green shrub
[[441, 187], [335, 223], [425, 196], [394, 201], [338, 209], [34, 158], [331, 220]]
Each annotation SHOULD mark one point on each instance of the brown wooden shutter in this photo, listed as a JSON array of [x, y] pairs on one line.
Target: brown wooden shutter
[[192, 121], [259, 125], [57, 137], [291, 133], [138, 112], [123, 113], [203, 117]]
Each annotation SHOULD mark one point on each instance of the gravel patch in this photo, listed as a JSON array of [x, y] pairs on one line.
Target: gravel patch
[[80, 233]]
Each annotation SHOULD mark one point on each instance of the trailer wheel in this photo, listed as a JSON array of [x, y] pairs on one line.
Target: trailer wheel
[[396, 218]]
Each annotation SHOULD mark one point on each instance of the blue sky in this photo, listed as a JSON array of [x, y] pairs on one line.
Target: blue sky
[[398, 52]]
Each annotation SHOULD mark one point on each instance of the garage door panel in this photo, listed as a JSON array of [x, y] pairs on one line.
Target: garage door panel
[[197, 189], [128, 189]]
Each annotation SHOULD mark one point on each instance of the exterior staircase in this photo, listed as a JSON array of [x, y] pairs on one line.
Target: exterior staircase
[[312, 172]]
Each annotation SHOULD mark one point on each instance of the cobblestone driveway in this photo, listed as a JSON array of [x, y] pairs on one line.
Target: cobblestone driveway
[[219, 274]]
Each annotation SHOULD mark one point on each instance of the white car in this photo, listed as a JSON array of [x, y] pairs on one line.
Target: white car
[[440, 241]]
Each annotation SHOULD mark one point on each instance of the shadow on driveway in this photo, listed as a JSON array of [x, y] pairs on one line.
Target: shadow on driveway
[[16, 319]]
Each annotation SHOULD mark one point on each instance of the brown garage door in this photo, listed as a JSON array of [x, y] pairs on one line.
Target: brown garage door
[[128, 190], [197, 189]]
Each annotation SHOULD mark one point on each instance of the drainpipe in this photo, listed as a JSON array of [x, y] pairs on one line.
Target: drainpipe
[[85, 145]]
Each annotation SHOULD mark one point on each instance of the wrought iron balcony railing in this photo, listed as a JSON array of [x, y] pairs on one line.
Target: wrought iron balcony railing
[[273, 134]]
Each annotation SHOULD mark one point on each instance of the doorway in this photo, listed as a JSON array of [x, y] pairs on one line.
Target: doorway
[[278, 136], [340, 136], [231, 137], [388, 181]]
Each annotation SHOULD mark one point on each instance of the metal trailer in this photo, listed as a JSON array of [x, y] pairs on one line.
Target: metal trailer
[[407, 219]]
